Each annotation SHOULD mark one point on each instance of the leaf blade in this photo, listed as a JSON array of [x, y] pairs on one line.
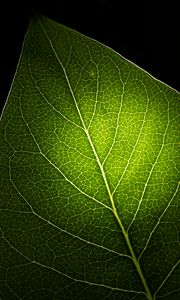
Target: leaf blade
[[95, 126]]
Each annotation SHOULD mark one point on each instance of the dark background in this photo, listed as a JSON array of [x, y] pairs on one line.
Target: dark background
[[147, 34]]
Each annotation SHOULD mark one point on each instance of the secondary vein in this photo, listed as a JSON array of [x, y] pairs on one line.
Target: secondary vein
[[63, 274]]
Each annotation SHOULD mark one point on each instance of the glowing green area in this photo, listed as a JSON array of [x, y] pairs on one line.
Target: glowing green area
[[89, 205]]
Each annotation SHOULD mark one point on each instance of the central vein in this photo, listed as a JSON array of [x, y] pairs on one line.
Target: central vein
[[135, 260], [125, 233]]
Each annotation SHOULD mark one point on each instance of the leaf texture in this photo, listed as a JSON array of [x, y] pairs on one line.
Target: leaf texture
[[89, 205]]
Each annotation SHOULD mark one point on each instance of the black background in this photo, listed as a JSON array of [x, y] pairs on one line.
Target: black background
[[143, 32]]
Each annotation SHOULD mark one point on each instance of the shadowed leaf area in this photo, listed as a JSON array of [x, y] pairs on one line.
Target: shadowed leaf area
[[89, 205]]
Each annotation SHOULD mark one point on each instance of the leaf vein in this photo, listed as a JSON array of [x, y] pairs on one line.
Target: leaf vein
[[60, 229], [151, 171], [159, 221], [136, 144], [68, 276]]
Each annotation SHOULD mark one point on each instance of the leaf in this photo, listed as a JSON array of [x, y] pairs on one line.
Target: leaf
[[89, 203]]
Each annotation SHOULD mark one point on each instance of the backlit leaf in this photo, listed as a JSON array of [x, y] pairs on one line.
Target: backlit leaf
[[89, 204]]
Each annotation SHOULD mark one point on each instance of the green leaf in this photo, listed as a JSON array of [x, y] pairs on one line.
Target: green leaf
[[89, 204]]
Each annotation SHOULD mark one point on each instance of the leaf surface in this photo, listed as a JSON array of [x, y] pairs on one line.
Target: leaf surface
[[89, 203]]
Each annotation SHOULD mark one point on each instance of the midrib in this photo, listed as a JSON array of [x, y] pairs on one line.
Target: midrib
[[125, 233], [135, 260]]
